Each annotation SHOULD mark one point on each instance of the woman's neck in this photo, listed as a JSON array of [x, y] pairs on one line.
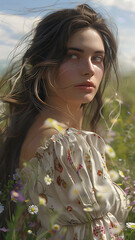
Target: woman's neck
[[69, 115]]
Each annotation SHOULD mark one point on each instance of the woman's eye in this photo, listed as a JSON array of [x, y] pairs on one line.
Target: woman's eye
[[73, 56], [98, 59]]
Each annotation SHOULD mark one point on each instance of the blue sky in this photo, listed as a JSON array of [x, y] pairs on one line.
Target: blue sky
[[17, 17]]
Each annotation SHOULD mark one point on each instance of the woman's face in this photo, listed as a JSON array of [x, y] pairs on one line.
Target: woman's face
[[81, 72]]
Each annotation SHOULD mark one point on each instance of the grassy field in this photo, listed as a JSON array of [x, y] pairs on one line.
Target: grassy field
[[119, 122], [122, 139]]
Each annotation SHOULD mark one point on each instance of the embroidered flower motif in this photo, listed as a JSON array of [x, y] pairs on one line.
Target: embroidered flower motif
[[58, 166], [61, 181], [69, 156], [99, 172], [87, 157], [97, 230], [69, 208], [33, 209], [78, 168], [48, 180], [64, 184]]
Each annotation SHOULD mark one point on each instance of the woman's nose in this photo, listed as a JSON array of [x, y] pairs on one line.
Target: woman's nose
[[88, 68]]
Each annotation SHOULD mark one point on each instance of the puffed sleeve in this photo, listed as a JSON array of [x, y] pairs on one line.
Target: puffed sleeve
[[70, 173]]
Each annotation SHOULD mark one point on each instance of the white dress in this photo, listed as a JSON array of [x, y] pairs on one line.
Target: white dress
[[77, 185]]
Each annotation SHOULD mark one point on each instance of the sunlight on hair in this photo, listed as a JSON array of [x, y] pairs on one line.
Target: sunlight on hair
[[112, 119]]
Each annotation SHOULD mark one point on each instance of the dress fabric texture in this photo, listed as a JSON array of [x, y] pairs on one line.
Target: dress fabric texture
[[90, 205]]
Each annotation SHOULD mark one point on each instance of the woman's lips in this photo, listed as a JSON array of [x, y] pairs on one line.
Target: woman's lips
[[86, 86]]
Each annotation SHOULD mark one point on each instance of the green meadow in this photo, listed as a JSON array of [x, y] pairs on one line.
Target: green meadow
[[118, 126]]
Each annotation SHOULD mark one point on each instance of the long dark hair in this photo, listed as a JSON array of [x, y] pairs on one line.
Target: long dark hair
[[27, 89]]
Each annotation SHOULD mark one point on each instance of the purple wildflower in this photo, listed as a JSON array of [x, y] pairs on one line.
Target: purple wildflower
[[132, 203], [3, 229], [17, 196]]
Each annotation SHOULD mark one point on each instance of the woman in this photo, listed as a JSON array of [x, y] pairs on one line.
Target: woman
[[61, 80]]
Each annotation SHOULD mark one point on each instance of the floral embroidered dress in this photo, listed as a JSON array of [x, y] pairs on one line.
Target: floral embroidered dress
[[70, 172]]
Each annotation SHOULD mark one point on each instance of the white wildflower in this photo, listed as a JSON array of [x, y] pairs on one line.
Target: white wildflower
[[29, 232], [42, 201], [33, 209], [75, 191], [48, 180], [130, 225], [55, 124], [121, 174], [88, 209], [109, 151], [104, 193], [117, 229], [56, 227], [114, 175]]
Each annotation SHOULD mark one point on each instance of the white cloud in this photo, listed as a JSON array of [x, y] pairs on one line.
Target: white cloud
[[12, 28], [128, 5], [17, 24]]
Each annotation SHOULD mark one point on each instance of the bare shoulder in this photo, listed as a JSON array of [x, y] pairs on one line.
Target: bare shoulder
[[30, 145]]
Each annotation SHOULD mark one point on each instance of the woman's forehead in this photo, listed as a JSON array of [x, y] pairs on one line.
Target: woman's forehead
[[87, 38]]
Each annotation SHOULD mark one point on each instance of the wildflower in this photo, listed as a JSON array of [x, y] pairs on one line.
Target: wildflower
[[109, 151], [116, 229], [1, 208], [42, 201], [133, 210], [18, 185], [75, 191], [3, 229], [33, 209], [16, 176], [129, 208], [130, 225], [114, 175], [56, 227], [132, 203], [48, 180], [103, 193], [121, 174], [53, 123], [29, 232], [88, 209], [16, 196]]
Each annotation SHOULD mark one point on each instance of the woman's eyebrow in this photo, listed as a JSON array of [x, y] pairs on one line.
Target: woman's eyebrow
[[76, 49], [81, 50]]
